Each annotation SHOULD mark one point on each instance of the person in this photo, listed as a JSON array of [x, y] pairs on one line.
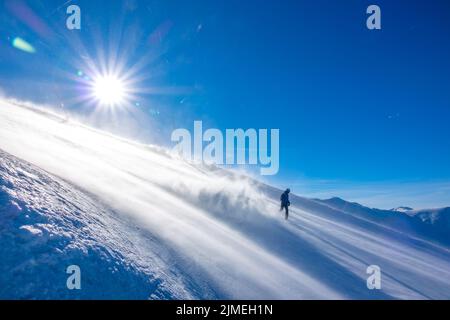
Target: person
[[285, 202]]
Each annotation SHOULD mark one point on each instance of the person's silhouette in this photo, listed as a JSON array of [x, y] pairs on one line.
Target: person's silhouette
[[285, 203]]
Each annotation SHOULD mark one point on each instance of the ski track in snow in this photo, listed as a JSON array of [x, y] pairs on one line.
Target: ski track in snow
[[143, 224]]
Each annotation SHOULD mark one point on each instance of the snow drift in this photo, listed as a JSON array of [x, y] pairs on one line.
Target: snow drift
[[143, 224]]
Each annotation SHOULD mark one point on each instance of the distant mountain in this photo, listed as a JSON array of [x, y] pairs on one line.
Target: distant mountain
[[433, 224], [437, 218], [402, 209]]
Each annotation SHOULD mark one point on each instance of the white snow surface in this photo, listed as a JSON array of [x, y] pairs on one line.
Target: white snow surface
[[144, 224]]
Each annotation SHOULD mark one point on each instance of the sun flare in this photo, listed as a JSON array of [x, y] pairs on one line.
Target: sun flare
[[109, 90]]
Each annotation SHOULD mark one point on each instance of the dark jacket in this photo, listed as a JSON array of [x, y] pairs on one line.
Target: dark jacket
[[285, 199]]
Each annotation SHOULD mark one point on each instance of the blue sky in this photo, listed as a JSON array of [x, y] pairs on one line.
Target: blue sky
[[362, 114]]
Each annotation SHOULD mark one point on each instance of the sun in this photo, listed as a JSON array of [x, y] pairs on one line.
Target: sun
[[109, 90]]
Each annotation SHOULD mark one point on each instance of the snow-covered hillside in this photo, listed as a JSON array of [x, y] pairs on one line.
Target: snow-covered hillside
[[143, 224]]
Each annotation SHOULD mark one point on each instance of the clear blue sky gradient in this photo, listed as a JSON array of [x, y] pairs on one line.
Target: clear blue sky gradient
[[351, 104]]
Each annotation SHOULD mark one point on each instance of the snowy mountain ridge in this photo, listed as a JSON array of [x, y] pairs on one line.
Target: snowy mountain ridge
[[432, 224], [143, 224], [402, 209]]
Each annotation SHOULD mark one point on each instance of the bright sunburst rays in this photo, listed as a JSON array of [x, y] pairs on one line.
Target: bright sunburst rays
[[107, 87], [114, 79], [109, 90]]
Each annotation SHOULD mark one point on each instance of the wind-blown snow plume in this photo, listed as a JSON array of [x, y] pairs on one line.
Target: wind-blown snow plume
[[183, 230]]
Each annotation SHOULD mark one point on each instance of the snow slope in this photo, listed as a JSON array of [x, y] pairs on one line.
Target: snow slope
[[143, 224]]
